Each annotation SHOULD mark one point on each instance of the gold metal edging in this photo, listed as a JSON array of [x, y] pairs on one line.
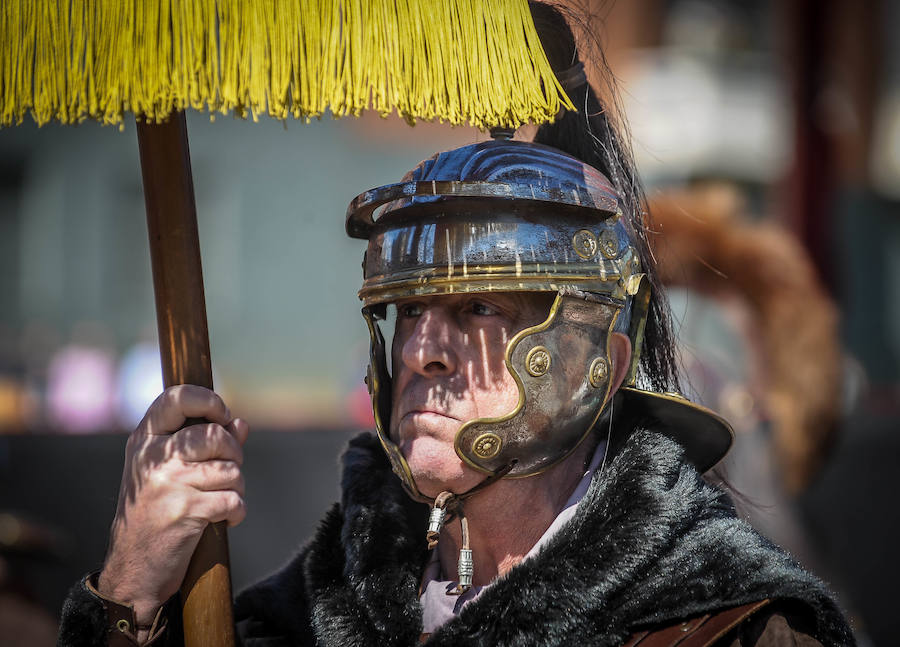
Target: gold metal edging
[[683, 401], [390, 447], [371, 295], [510, 347]]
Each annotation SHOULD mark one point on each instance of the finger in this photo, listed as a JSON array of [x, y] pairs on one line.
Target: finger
[[222, 505], [239, 429], [205, 442], [210, 476], [178, 403]]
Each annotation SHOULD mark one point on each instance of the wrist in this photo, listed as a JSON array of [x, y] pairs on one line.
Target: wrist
[[144, 607], [124, 625]]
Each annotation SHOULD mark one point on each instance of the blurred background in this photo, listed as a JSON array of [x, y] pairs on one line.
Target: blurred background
[[767, 135]]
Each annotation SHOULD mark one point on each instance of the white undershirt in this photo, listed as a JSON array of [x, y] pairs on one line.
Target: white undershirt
[[438, 606]]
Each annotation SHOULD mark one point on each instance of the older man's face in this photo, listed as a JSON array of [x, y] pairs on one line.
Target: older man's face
[[448, 368]]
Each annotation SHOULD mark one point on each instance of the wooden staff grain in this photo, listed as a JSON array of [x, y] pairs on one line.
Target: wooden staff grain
[[184, 348]]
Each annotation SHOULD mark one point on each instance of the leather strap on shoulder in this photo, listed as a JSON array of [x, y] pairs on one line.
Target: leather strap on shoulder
[[700, 631]]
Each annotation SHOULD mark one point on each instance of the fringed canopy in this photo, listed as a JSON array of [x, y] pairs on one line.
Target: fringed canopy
[[475, 61]]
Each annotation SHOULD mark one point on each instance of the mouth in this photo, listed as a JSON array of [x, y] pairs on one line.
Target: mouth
[[420, 423], [427, 413]]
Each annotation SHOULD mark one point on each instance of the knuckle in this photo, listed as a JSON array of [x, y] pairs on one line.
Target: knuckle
[[209, 431], [224, 443], [157, 479], [230, 471], [170, 395], [233, 500], [238, 516], [178, 509]]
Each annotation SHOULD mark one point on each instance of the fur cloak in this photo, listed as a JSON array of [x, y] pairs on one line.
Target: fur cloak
[[651, 542]]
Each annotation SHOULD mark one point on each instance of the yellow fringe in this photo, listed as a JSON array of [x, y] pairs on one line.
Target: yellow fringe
[[476, 61]]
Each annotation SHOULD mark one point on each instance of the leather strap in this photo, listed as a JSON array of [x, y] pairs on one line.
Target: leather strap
[[700, 631], [122, 628]]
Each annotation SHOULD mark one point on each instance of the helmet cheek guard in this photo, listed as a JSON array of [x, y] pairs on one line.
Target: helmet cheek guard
[[562, 370]]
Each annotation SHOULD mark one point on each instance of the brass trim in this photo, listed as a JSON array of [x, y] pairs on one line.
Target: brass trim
[[538, 361], [706, 430], [609, 243], [585, 243], [673, 396], [598, 372], [639, 289], [390, 448], [371, 373], [460, 270], [487, 445], [426, 285]]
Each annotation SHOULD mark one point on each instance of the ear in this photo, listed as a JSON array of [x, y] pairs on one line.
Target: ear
[[620, 357]]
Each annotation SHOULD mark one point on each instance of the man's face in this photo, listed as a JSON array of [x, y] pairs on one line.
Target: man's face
[[448, 368]]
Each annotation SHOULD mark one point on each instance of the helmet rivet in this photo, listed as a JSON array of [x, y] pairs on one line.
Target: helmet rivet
[[585, 243], [609, 243], [537, 361], [487, 445], [598, 372]]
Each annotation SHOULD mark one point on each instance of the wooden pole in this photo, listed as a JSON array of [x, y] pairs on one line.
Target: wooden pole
[[184, 348]]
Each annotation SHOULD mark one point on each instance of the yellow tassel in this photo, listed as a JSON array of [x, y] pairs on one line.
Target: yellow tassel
[[459, 61]]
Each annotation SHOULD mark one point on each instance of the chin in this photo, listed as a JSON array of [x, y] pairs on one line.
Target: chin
[[436, 467]]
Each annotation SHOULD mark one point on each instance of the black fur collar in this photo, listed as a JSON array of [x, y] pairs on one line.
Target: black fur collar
[[650, 542]]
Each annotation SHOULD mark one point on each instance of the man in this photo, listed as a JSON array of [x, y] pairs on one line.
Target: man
[[579, 510], [567, 505]]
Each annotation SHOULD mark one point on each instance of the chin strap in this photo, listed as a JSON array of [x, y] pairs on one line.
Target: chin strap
[[448, 502]]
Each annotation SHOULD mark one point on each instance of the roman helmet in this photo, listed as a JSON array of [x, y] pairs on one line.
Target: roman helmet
[[506, 215]]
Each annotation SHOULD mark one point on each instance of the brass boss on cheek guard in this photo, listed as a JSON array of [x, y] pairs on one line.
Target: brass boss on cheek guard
[[506, 216]]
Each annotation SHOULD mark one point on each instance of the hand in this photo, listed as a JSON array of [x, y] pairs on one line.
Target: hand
[[174, 483]]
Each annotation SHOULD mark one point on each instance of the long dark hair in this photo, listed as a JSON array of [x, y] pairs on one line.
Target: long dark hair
[[596, 134]]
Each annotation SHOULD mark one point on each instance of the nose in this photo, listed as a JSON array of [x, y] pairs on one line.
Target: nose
[[428, 350]]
